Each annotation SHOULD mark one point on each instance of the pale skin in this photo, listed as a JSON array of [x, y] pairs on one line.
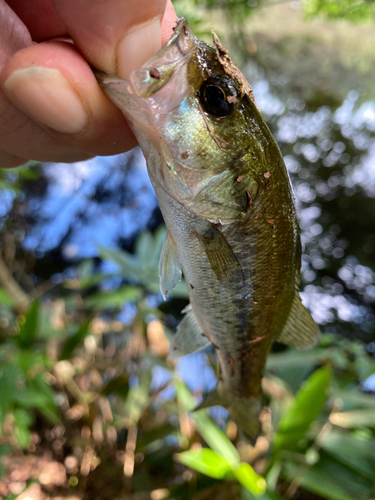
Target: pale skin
[[51, 106]]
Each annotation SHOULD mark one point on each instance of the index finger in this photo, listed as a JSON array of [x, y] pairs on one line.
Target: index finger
[[115, 36]]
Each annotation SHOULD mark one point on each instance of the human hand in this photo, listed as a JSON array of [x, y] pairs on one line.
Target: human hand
[[51, 106]]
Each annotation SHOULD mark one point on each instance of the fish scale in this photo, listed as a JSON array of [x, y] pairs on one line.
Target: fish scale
[[229, 208]]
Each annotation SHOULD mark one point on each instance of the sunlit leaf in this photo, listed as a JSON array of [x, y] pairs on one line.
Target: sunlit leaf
[[308, 404], [213, 436], [246, 475], [216, 438], [184, 397], [205, 461]]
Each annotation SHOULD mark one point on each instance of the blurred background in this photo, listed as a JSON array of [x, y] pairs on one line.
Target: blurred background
[[89, 406]]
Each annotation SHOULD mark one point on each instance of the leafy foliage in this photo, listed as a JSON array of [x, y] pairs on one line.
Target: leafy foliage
[[319, 438], [351, 10]]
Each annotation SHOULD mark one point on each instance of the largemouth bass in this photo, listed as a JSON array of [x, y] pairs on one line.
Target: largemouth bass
[[229, 208]]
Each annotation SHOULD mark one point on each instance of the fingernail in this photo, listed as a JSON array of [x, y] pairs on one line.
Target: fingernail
[[138, 46], [45, 95]]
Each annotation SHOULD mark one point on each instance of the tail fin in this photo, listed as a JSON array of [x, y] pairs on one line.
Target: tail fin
[[244, 411]]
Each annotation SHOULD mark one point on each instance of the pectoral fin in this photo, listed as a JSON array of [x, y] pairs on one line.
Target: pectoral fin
[[300, 330], [169, 267], [226, 196], [188, 338], [223, 260]]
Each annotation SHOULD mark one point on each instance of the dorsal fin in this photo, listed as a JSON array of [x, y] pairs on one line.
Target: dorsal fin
[[300, 330]]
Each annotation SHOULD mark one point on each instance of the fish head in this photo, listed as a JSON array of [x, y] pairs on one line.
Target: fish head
[[191, 121]]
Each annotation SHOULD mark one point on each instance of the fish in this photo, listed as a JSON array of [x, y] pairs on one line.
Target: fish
[[230, 212]]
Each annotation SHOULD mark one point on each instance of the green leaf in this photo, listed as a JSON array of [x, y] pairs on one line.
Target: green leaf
[[144, 249], [354, 398], [23, 418], [154, 435], [73, 342], [351, 10], [246, 475], [93, 280], [330, 480], [28, 330], [8, 388], [356, 453], [114, 299], [308, 404], [23, 436], [294, 366], [184, 397], [128, 263], [205, 461], [5, 449], [5, 299], [267, 495], [216, 438], [318, 482], [38, 394], [30, 360], [340, 443], [213, 436]]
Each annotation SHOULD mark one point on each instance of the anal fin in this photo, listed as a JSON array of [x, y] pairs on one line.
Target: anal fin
[[169, 267], [188, 338], [300, 330]]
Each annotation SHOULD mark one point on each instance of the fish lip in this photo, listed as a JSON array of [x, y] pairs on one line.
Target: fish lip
[[182, 27]]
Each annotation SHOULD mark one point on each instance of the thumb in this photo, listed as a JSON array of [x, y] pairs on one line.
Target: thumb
[[116, 36]]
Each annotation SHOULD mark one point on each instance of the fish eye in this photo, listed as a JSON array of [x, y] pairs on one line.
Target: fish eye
[[218, 95]]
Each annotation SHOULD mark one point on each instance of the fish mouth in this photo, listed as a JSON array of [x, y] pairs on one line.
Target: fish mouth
[[158, 70]]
